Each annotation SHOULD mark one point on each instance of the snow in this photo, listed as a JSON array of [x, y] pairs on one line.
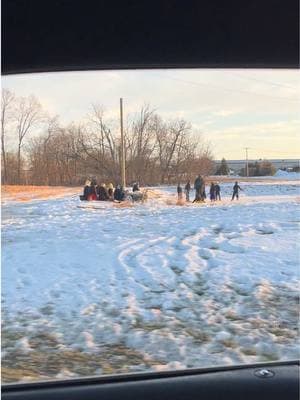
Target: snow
[[287, 175], [189, 286], [279, 175]]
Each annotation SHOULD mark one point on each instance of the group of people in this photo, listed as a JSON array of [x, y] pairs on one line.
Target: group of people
[[93, 191], [200, 194]]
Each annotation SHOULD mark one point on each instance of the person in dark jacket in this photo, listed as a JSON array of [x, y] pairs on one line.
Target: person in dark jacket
[[102, 193], [218, 191], [202, 191], [92, 192], [212, 192], [119, 194], [179, 191], [187, 190], [197, 186], [236, 189], [110, 191], [135, 187], [86, 190]]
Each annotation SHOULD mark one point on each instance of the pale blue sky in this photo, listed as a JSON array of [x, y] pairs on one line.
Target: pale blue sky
[[231, 109]]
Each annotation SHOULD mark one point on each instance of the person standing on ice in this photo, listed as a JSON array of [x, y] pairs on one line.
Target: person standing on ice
[[202, 191], [197, 186], [218, 191], [187, 190], [236, 189], [212, 192], [179, 191]]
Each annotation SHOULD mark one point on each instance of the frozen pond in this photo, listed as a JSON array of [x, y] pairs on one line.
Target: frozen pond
[[151, 287]]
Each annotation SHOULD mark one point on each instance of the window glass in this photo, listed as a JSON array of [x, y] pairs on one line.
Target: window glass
[[159, 232]]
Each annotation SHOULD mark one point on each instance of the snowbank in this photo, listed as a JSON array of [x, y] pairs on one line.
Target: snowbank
[[287, 175]]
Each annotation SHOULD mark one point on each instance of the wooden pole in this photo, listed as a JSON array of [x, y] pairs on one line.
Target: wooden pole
[[247, 166], [123, 177]]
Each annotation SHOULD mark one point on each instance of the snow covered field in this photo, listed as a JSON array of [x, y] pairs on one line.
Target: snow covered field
[[151, 287]]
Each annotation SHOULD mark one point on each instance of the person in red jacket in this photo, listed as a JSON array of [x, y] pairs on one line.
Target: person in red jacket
[[92, 192]]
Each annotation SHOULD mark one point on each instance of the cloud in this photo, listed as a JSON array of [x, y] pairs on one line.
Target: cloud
[[227, 112], [228, 106], [266, 140], [257, 129]]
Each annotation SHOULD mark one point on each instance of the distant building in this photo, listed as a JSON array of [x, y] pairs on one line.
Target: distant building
[[236, 165]]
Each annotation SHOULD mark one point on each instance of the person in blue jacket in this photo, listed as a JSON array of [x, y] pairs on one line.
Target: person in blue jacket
[[119, 193], [236, 189], [212, 192], [218, 191]]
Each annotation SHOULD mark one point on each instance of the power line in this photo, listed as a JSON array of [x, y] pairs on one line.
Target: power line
[[281, 154], [276, 151], [262, 81], [217, 87]]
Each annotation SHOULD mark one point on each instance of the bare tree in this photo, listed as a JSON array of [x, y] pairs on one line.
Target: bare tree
[[7, 102], [53, 127], [54, 155], [156, 150], [171, 139], [28, 114], [106, 141], [141, 143], [203, 161]]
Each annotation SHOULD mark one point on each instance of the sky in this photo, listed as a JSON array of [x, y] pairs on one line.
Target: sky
[[230, 109]]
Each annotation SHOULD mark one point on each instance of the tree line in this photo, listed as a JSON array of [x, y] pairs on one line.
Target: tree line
[[38, 149], [258, 168]]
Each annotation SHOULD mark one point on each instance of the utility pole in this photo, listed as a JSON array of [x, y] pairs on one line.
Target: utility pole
[[247, 166], [123, 177]]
